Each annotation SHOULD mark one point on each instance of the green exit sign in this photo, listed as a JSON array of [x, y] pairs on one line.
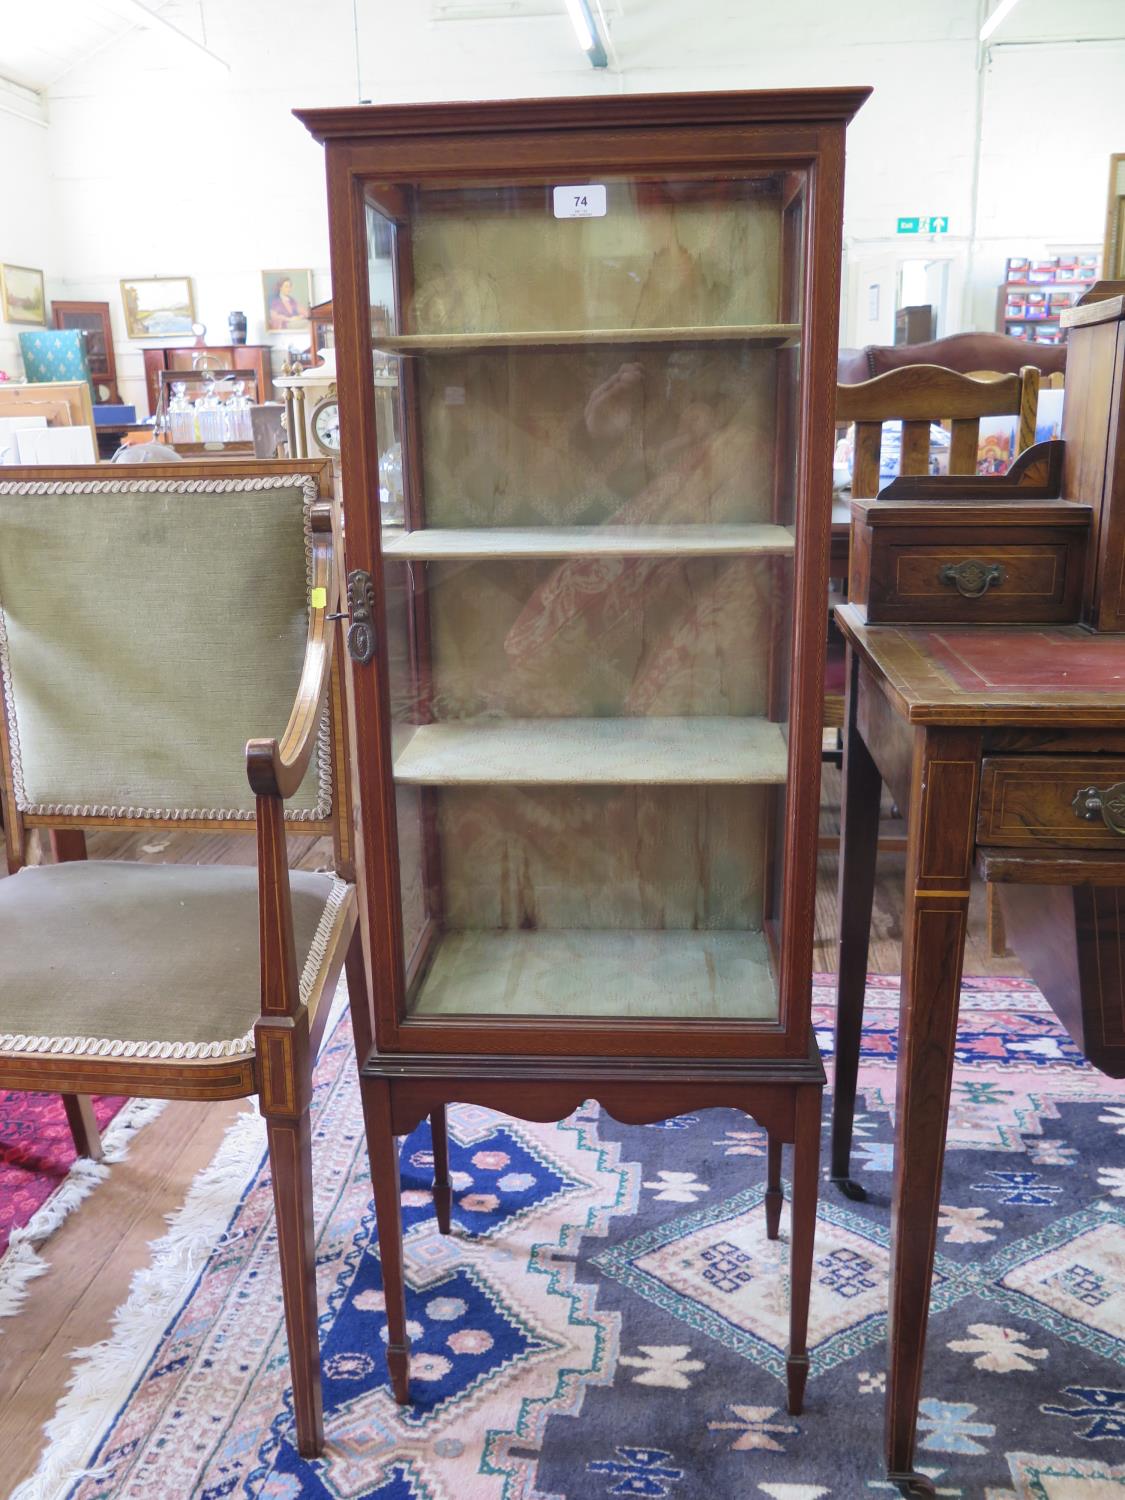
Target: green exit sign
[[922, 224]]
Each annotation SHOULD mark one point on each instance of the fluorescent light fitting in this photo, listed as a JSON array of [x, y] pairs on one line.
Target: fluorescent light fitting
[[586, 30], [1004, 9]]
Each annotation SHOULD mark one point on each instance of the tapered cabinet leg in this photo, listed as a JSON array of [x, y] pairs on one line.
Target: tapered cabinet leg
[[806, 1176], [774, 1195], [859, 837], [443, 1192], [382, 1149], [944, 784], [290, 1150], [83, 1126]]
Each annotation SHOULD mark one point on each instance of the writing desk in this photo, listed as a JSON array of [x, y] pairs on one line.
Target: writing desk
[[929, 710]]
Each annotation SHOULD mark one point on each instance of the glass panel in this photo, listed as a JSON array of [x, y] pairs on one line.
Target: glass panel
[[587, 492], [90, 324]]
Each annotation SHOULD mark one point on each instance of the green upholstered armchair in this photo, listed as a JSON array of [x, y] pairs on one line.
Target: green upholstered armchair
[[154, 626]]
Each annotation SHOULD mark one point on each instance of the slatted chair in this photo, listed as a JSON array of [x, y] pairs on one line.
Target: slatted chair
[[918, 396], [152, 626]]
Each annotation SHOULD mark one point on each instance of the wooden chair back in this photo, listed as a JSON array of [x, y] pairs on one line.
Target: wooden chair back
[[918, 395], [151, 622]]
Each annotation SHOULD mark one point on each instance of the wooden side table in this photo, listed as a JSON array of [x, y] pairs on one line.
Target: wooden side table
[[928, 709]]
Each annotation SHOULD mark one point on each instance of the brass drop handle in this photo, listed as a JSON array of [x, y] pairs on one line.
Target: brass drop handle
[[1092, 802], [972, 578]]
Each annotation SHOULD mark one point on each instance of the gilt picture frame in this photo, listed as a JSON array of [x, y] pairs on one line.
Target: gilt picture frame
[[157, 307], [23, 298], [287, 297]]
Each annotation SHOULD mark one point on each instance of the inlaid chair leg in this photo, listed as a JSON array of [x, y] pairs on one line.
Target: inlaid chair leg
[[83, 1125], [806, 1177], [290, 1147], [68, 845], [774, 1196], [443, 1191], [382, 1150]]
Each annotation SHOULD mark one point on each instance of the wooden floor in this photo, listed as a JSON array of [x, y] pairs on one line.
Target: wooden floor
[[93, 1256]]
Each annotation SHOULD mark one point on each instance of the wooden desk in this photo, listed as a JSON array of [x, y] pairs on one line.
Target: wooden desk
[[925, 706]]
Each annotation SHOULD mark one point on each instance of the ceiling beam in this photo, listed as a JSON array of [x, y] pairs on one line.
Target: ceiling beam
[[141, 15], [26, 104]]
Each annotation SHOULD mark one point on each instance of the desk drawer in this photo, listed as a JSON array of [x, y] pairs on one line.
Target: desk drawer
[[1074, 802], [954, 573]]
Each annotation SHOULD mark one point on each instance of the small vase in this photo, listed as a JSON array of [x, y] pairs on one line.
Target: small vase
[[236, 322]]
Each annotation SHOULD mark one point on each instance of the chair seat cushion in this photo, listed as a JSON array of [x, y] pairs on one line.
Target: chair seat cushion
[[108, 958]]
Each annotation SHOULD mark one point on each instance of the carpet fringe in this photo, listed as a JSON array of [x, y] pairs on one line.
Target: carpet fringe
[[105, 1373], [22, 1262]]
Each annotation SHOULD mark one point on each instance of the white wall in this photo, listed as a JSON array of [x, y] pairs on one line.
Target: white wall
[[1044, 174], [26, 218], [211, 176]]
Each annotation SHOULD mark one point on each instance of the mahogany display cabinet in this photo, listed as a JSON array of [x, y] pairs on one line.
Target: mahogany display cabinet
[[587, 585]]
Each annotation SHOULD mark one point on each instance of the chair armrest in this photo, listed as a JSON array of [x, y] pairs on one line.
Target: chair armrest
[[276, 768]]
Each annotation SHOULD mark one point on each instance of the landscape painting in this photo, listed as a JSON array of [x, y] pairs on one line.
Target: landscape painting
[[21, 290], [158, 307]]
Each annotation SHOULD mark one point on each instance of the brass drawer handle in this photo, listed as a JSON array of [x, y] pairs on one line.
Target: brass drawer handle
[[972, 578], [1092, 802]]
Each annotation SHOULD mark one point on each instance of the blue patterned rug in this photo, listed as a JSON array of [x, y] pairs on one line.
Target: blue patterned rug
[[609, 1319]]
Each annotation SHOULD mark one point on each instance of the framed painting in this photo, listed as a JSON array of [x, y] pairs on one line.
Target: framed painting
[[157, 307], [288, 297], [22, 296]]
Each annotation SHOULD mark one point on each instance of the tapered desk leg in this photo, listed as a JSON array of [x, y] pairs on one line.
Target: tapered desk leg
[[943, 799], [859, 837]]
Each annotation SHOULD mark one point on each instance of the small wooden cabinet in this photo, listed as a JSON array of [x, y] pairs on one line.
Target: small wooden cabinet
[[968, 563], [592, 582], [92, 318], [587, 568]]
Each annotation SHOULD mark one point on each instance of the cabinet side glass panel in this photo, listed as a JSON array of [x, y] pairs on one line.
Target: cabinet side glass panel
[[588, 536]]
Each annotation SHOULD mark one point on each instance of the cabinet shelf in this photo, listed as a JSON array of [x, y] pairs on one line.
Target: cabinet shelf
[[772, 335], [433, 545], [593, 752], [617, 975]]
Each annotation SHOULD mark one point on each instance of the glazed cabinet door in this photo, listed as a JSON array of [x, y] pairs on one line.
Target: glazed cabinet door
[[594, 501]]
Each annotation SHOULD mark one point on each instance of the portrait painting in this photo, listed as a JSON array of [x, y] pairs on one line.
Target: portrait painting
[[288, 296]]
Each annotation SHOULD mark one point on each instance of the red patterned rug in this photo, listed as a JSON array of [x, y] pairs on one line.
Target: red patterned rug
[[41, 1179]]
